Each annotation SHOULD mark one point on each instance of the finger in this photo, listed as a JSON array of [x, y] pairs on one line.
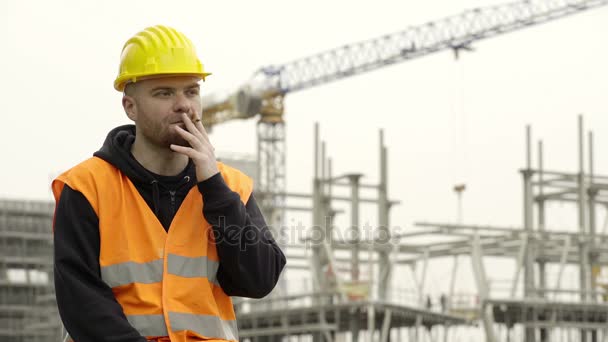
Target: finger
[[190, 126], [188, 151], [200, 129], [195, 142], [199, 125], [191, 153]]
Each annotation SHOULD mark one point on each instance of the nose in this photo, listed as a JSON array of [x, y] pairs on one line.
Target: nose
[[181, 104]]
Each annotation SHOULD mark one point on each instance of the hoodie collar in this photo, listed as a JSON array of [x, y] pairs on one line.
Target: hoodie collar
[[116, 150]]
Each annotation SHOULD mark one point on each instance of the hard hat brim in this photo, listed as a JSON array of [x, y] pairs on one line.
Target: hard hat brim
[[121, 81]]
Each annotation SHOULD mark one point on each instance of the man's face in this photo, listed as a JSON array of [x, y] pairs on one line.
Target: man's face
[[156, 106]]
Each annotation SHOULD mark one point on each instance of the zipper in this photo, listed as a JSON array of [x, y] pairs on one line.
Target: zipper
[[172, 193]]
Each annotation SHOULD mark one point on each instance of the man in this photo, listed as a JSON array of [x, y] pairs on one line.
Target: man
[[152, 235]]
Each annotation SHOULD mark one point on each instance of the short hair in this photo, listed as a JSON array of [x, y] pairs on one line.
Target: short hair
[[130, 89]]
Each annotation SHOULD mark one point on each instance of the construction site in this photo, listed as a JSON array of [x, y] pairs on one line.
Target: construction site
[[352, 279]]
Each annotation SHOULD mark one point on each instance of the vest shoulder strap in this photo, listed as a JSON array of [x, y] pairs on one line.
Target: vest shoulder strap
[[87, 178], [237, 181]]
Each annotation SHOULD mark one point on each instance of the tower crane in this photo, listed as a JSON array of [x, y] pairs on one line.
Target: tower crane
[[262, 96]]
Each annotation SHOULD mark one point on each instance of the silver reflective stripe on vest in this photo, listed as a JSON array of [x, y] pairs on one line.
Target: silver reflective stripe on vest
[[133, 272], [193, 267], [206, 325], [149, 325]]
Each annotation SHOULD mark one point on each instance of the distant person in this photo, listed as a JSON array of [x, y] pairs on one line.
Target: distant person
[[429, 303], [152, 234], [443, 301]]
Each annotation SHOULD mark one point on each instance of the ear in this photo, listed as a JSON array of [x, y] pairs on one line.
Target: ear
[[130, 107]]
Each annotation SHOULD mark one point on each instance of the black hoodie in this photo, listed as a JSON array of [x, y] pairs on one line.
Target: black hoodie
[[87, 305]]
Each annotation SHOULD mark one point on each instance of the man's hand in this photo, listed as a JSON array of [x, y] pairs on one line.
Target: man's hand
[[200, 151]]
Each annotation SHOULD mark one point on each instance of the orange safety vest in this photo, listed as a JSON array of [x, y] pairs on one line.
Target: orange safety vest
[[165, 281]]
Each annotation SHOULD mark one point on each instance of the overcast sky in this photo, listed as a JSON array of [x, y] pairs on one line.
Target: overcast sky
[[445, 121]]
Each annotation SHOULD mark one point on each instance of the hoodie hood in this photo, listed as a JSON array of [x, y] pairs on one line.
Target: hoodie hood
[[116, 150]]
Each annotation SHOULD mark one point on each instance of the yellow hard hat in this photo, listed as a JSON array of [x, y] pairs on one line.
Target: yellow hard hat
[[157, 50]]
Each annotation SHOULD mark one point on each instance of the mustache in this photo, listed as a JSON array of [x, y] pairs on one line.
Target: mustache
[[178, 118]]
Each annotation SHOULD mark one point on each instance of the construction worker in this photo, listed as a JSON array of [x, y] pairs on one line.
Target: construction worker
[[152, 234]]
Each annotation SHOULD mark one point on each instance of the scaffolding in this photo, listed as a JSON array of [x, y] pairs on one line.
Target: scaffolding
[[543, 311], [351, 268], [27, 302], [344, 306]]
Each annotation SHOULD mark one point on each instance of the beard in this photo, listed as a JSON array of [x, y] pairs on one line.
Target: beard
[[162, 134], [173, 138]]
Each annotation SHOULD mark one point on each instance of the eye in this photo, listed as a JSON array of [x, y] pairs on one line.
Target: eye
[[193, 91], [163, 93]]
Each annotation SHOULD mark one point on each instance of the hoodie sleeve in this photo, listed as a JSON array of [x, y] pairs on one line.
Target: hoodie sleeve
[[87, 306], [250, 259]]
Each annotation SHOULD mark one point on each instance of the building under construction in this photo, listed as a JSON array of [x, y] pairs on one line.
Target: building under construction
[[27, 300], [357, 283], [361, 284], [367, 283]]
